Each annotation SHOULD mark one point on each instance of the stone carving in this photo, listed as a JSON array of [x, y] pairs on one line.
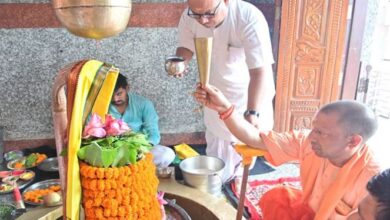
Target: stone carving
[[305, 86], [313, 17], [302, 122], [312, 36], [307, 52]]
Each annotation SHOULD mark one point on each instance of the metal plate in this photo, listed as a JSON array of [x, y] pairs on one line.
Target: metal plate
[[50, 165], [175, 212], [41, 185], [21, 184], [11, 164]]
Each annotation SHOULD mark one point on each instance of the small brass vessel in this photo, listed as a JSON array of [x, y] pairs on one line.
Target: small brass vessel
[[96, 19]]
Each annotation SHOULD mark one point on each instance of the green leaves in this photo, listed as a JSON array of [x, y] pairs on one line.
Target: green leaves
[[114, 151], [30, 160]]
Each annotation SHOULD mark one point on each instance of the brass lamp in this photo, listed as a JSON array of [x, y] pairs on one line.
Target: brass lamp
[[96, 19]]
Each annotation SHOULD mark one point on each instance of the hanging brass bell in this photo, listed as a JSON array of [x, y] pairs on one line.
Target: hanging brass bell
[[96, 19]]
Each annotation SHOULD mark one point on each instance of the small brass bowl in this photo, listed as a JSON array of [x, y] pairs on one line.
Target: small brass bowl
[[174, 65]]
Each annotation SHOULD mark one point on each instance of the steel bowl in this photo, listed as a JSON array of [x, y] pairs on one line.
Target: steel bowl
[[96, 19], [204, 173], [49, 165], [174, 65]]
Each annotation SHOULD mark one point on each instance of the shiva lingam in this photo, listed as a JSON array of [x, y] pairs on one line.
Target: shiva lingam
[[96, 19], [203, 47]]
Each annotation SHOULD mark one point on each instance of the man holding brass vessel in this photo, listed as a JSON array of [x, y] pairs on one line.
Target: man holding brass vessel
[[240, 65]]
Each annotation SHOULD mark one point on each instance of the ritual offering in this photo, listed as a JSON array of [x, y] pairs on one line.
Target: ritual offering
[[107, 171], [21, 177], [30, 161], [117, 172], [35, 194]]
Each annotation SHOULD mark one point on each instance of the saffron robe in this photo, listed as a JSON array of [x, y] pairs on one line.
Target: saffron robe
[[331, 192]]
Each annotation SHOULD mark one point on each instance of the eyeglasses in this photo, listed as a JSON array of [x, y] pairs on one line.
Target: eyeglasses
[[205, 15]]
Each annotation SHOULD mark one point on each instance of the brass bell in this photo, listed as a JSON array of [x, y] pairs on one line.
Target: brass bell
[[96, 19]]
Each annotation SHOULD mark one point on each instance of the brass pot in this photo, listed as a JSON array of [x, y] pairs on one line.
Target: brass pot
[[95, 19]]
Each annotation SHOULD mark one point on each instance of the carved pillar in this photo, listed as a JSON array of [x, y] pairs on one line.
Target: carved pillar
[[309, 59]]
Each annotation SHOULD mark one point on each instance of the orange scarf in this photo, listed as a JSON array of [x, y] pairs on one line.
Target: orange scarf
[[344, 180]]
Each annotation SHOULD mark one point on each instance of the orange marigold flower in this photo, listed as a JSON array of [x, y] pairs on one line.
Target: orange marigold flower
[[90, 213], [114, 184], [107, 184], [116, 173], [100, 173], [93, 184], [109, 173], [121, 211], [126, 199], [106, 203], [88, 203], [111, 193], [97, 201], [107, 212], [83, 170], [119, 198], [114, 212], [101, 185], [92, 172], [99, 213]]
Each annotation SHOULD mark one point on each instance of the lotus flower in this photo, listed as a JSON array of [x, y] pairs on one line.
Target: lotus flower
[[94, 128], [115, 127], [112, 127]]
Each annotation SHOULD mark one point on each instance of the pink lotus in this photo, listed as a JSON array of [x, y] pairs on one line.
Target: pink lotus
[[115, 127], [111, 127], [94, 128]]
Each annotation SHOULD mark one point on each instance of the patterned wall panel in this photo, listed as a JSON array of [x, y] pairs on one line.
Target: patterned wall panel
[[309, 59]]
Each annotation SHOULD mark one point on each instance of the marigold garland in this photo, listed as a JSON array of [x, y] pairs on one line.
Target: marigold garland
[[127, 192]]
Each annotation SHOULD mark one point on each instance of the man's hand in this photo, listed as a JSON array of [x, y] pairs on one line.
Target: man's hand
[[212, 98]]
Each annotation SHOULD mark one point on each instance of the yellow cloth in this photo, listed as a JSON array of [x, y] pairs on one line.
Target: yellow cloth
[[84, 83], [326, 188], [104, 98]]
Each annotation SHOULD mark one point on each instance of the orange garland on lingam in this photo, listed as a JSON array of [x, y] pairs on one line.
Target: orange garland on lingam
[[127, 192]]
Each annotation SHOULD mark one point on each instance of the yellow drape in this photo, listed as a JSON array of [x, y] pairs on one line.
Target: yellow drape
[[87, 75]]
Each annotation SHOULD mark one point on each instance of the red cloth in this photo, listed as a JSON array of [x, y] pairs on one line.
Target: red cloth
[[285, 203], [257, 189]]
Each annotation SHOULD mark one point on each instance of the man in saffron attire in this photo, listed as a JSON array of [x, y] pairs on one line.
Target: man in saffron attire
[[335, 162]]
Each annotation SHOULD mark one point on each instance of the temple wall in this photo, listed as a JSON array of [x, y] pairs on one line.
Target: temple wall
[[34, 47]]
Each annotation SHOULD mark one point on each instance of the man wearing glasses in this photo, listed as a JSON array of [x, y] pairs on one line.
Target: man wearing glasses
[[240, 67]]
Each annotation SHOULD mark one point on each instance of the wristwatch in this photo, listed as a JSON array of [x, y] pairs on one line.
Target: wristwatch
[[251, 112]]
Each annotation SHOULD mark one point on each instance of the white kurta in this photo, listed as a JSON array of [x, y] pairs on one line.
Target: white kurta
[[240, 43]]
